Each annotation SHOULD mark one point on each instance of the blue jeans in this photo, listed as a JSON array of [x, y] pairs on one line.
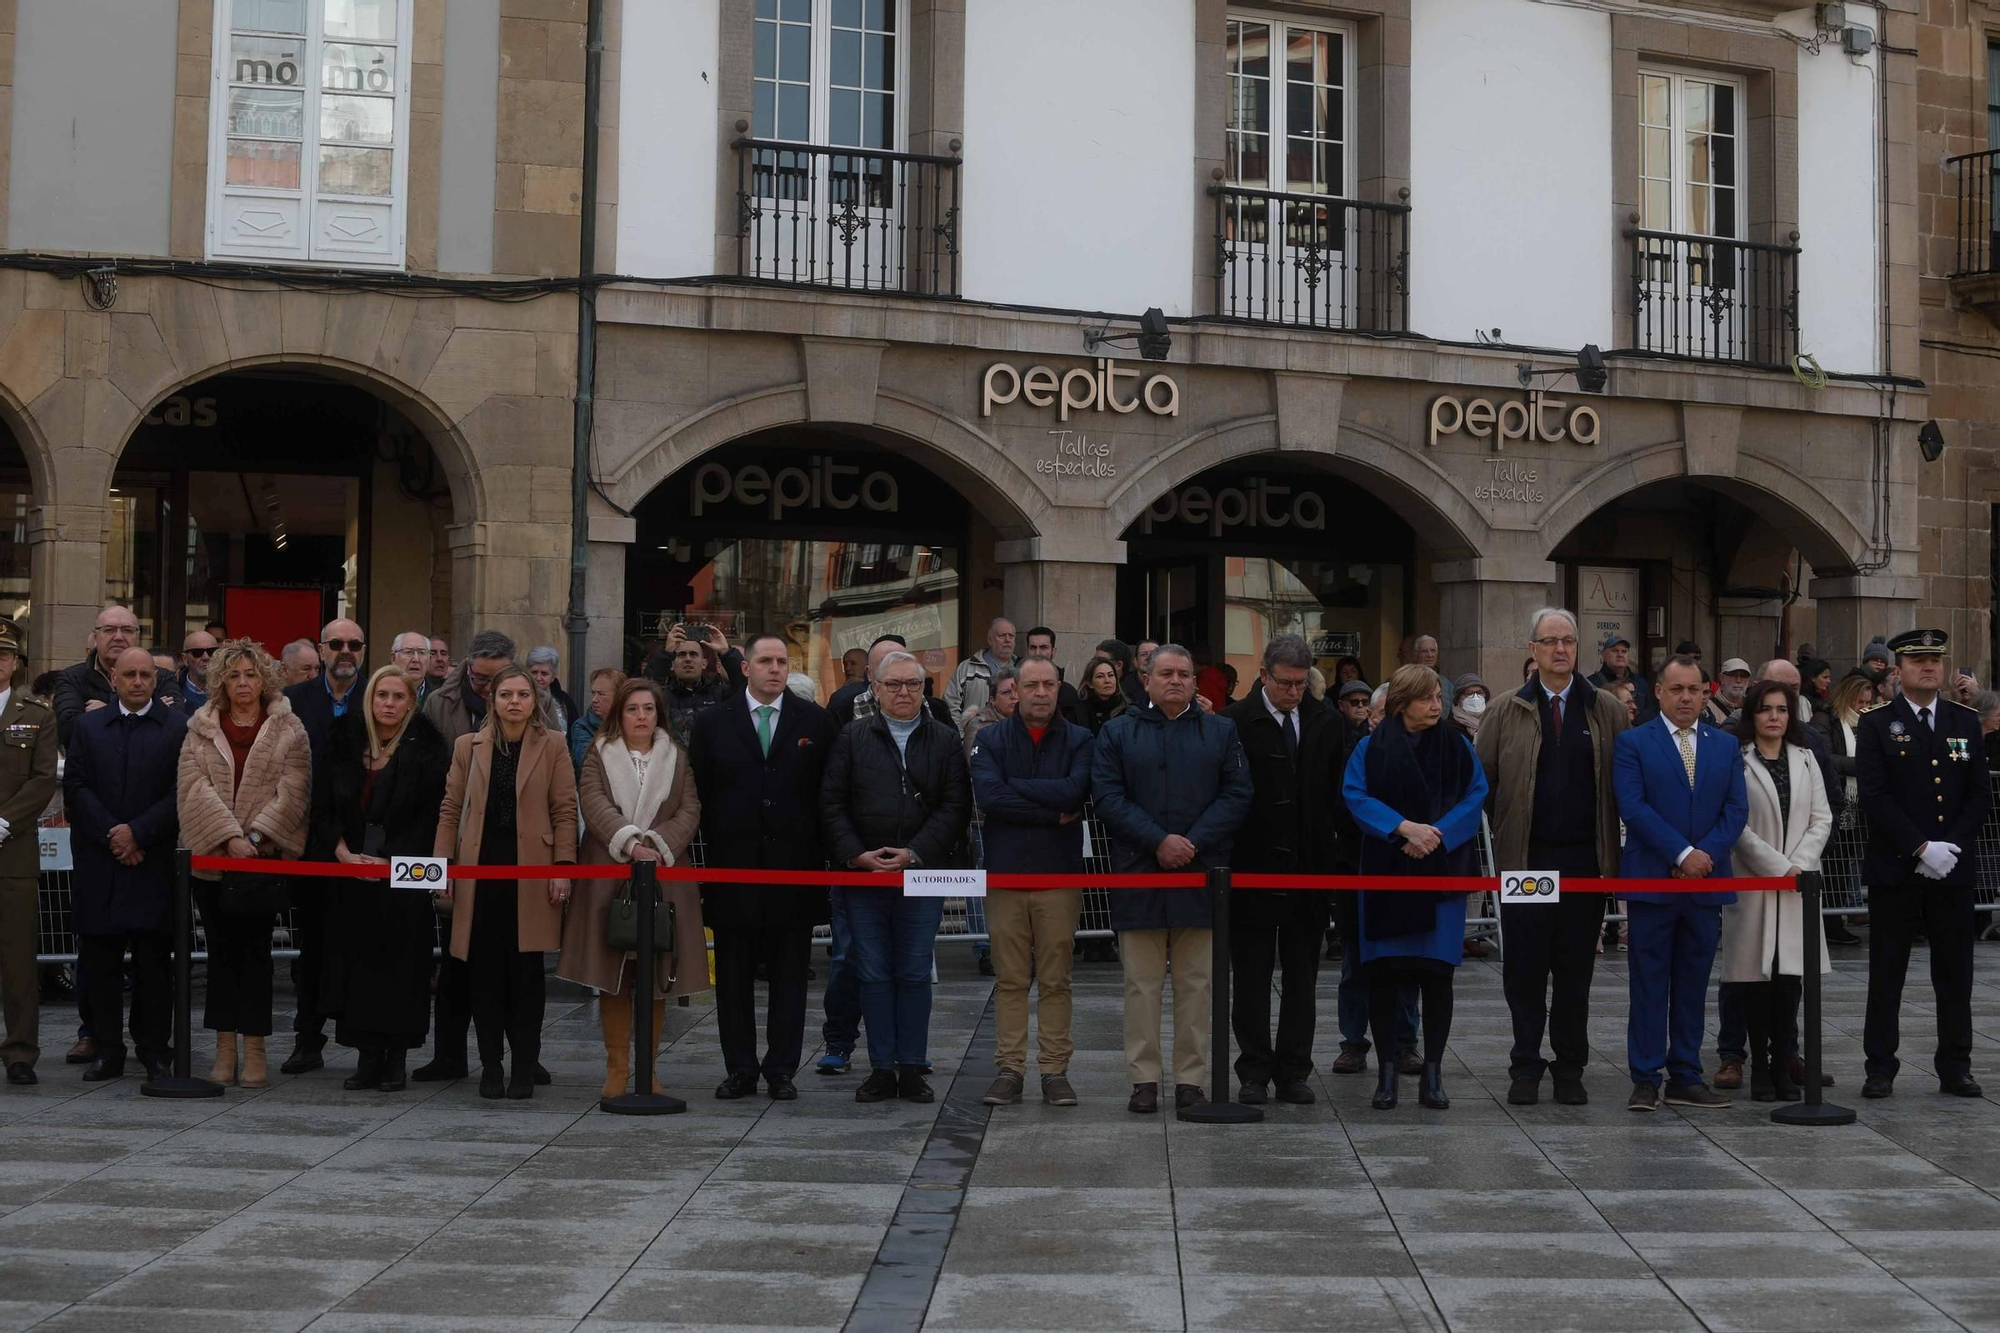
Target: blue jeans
[[1671, 955], [843, 992], [889, 953], [1354, 1007]]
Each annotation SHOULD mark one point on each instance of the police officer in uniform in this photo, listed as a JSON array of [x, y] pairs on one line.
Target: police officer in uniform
[[1923, 783], [27, 781]]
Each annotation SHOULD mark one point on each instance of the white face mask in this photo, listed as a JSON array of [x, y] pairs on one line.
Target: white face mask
[[1474, 704]]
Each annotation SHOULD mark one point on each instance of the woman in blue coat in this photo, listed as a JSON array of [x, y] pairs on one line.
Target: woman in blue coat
[[1415, 790]]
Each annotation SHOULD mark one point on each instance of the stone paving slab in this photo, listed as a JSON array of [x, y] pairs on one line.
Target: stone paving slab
[[304, 1206]]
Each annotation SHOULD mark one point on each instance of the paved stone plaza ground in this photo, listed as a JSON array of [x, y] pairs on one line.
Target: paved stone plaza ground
[[304, 1206]]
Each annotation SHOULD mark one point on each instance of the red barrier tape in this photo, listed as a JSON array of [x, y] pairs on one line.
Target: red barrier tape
[[1029, 883]]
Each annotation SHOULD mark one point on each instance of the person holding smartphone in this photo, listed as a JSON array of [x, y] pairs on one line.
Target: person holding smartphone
[[378, 797]]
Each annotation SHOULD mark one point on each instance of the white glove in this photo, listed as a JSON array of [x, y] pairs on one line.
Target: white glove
[[3, 830], [1938, 859]]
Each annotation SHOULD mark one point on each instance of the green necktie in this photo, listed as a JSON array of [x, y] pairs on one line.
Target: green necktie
[[764, 712]]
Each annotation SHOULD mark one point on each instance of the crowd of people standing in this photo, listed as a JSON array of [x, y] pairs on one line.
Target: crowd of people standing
[[490, 762]]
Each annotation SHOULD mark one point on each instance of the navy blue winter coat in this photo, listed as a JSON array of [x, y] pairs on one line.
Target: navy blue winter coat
[[120, 771], [1152, 777], [1023, 790]]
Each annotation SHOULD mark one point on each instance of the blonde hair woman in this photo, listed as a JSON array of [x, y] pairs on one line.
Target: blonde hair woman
[[639, 804], [510, 800], [245, 791]]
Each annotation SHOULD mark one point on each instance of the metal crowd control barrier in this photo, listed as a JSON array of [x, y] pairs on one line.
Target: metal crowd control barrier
[[644, 1099], [182, 1083]]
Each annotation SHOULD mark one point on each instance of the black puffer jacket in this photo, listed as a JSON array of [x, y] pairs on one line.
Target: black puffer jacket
[[872, 797]]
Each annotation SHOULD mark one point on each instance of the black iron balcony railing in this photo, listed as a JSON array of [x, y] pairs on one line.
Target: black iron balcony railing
[[847, 218], [1311, 260], [1978, 220], [1713, 299]]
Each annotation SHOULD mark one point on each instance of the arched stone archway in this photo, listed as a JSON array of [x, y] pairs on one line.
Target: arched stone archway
[[489, 386], [967, 457], [1412, 485], [1822, 530]]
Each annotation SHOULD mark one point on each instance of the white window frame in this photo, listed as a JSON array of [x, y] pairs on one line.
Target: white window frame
[[819, 90], [1349, 35], [308, 243], [1679, 184]]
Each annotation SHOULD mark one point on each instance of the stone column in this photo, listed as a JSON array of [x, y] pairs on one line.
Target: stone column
[[604, 595], [65, 582], [1483, 617], [1855, 608], [1071, 586]]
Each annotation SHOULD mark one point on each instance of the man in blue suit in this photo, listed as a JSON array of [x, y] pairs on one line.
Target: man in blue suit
[[1681, 795]]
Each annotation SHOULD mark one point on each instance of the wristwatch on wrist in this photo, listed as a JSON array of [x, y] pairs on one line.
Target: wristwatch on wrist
[[256, 840]]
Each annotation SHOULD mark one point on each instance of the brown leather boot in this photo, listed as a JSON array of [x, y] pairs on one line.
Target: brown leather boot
[[224, 1071], [614, 1015], [255, 1074], [1729, 1075]]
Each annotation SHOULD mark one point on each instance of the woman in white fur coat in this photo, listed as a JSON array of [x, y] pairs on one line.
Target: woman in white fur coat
[[1764, 933], [639, 804]]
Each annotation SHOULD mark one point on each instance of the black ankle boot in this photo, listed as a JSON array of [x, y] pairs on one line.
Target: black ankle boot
[[492, 1083], [1781, 1082], [367, 1073], [521, 1083], [1430, 1087], [1385, 1084], [1762, 1088], [395, 1070]]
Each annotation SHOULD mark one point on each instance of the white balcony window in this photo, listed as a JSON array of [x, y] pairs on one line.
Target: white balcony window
[[1691, 163], [309, 131]]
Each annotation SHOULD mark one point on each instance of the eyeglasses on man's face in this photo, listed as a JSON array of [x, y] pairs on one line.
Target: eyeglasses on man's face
[[902, 686], [1554, 642], [344, 645]]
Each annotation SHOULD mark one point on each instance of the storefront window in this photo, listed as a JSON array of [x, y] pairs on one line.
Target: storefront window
[[1341, 609], [270, 531], [15, 500], [132, 555]]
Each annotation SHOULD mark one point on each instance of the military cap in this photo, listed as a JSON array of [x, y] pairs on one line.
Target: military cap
[[13, 639], [1920, 643]]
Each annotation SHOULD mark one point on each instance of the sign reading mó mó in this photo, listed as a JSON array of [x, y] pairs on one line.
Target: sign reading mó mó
[[1515, 419], [1078, 390]]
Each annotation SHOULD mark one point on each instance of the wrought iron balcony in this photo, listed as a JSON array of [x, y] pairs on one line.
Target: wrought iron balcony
[[854, 219], [1311, 260], [1975, 270], [1709, 298]]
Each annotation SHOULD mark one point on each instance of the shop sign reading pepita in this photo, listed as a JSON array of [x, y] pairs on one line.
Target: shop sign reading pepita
[[1078, 390], [1540, 418]]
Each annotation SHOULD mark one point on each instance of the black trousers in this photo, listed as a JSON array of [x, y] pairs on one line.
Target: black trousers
[[1770, 1017], [509, 989], [102, 960], [452, 1006], [1253, 954], [1386, 981], [239, 968], [1896, 914], [1547, 957], [787, 957], [309, 930]]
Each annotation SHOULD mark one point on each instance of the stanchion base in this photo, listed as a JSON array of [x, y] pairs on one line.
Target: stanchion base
[[1222, 1113], [1805, 1113], [180, 1085], [642, 1103]]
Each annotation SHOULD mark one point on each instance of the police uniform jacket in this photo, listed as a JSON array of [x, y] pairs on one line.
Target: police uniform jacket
[[1920, 784]]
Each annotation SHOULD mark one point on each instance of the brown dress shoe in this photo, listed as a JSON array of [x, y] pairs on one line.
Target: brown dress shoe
[[1796, 1067], [1187, 1094], [1409, 1064], [1729, 1075], [82, 1053], [1351, 1060], [1145, 1098]]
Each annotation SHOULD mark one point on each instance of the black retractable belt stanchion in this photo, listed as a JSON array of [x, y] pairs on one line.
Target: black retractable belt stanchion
[[643, 1100], [182, 1082], [1814, 1110], [1220, 1110]]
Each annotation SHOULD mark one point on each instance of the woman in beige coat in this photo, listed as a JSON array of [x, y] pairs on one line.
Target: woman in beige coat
[[510, 800], [245, 790], [1764, 933], [639, 804]]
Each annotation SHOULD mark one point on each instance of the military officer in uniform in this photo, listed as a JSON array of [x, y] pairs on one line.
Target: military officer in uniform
[[27, 781], [1922, 778]]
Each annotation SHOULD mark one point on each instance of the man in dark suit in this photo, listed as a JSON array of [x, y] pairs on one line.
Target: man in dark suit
[[1920, 770], [27, 781], [1681, 794], [118, 789], [757, 762], [316, 703], [1283, 728]]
